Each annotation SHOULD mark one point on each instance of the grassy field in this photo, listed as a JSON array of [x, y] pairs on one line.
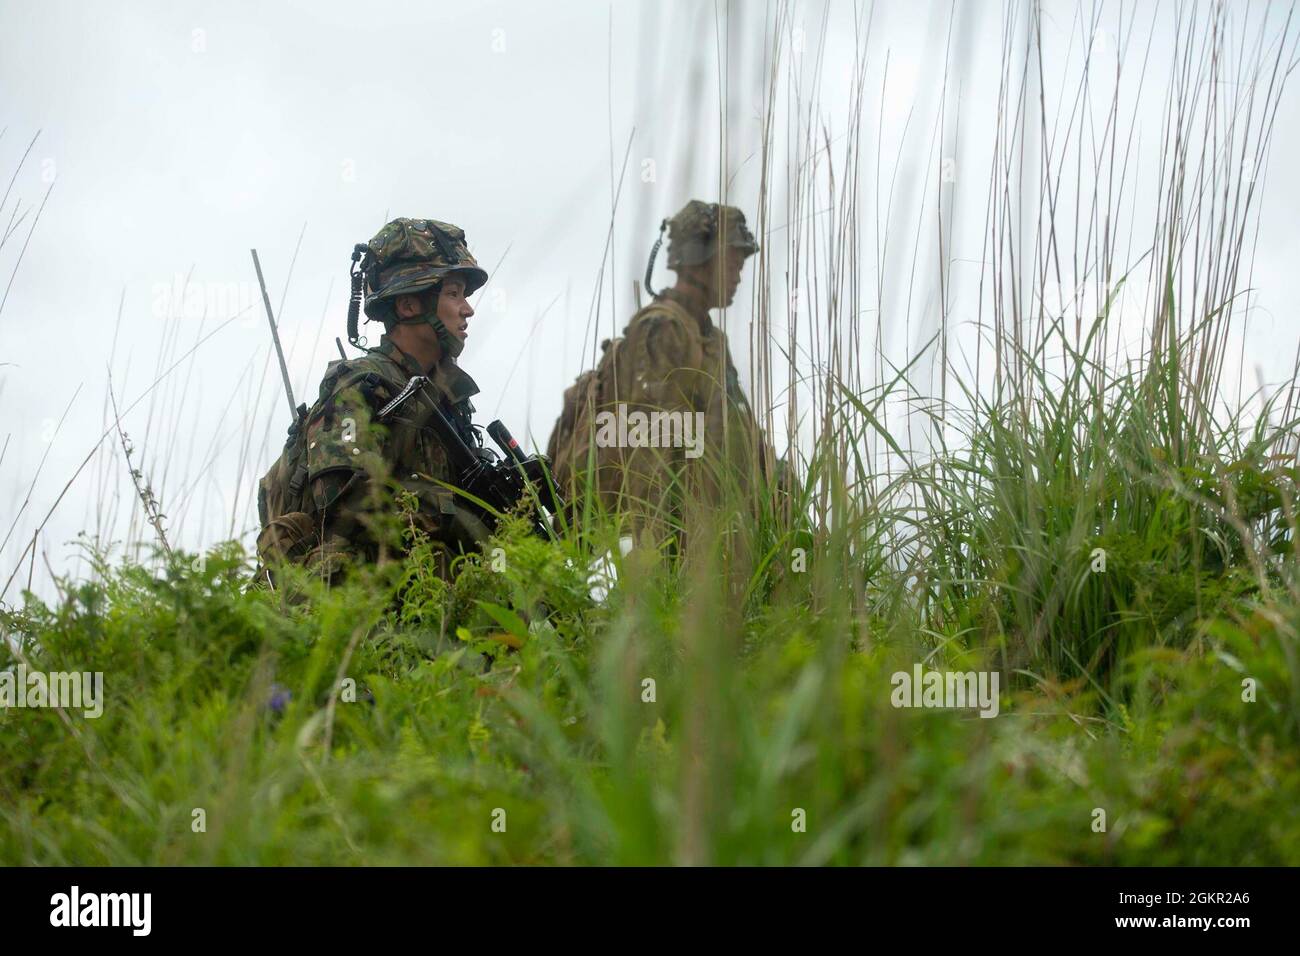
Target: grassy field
[[1110, 529], [1148, 708]]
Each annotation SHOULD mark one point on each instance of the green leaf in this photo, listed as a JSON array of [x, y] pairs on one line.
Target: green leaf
[[507, 618]]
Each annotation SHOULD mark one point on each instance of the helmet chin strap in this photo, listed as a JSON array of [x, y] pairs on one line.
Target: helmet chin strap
[[450, 344]]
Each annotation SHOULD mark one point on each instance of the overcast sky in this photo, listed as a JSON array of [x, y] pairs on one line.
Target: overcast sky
[[175, 136]]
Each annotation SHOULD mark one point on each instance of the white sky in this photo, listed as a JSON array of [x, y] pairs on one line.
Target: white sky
[[179, 135]]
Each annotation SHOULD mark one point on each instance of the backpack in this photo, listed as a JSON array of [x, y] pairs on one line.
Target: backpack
[[288, 526], [287, 530], [570, 447], [570, 441]]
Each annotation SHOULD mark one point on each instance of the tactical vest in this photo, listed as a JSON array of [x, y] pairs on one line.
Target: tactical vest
[[289, 512]]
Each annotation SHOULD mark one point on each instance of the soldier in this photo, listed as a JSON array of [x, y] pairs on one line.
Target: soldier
[[672, 358], [328, 500]]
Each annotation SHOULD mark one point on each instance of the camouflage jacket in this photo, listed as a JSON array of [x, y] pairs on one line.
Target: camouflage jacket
[[672, 358], [329, 498]]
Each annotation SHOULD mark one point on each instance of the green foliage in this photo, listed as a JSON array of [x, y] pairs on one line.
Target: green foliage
[[1124, 563], [1082, 518], [760, 710]]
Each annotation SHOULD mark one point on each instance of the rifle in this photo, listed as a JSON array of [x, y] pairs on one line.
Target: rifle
[[491, 486]]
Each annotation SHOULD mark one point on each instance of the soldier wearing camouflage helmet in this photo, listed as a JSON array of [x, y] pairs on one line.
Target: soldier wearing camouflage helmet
[[328, 500], [672, 358]]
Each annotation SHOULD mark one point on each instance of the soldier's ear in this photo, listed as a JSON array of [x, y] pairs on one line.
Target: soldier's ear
[[407, 307]]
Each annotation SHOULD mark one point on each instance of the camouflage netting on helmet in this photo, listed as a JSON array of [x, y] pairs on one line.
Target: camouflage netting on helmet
[[695, 231], [411, 255]]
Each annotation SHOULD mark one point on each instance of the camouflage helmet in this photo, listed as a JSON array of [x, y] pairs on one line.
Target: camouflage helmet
[[695, 232], [409, 255]]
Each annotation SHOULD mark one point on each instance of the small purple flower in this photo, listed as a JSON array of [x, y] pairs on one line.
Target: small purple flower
[[280, 698]]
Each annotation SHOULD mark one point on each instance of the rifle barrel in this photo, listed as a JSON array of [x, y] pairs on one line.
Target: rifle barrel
[[505, 441]]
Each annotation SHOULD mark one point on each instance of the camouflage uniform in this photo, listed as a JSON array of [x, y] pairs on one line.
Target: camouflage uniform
[[329, 499], [671, 358]]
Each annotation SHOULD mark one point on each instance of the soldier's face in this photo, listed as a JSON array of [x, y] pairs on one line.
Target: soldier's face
[[454, 308], [726, 270], [451, 306]]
